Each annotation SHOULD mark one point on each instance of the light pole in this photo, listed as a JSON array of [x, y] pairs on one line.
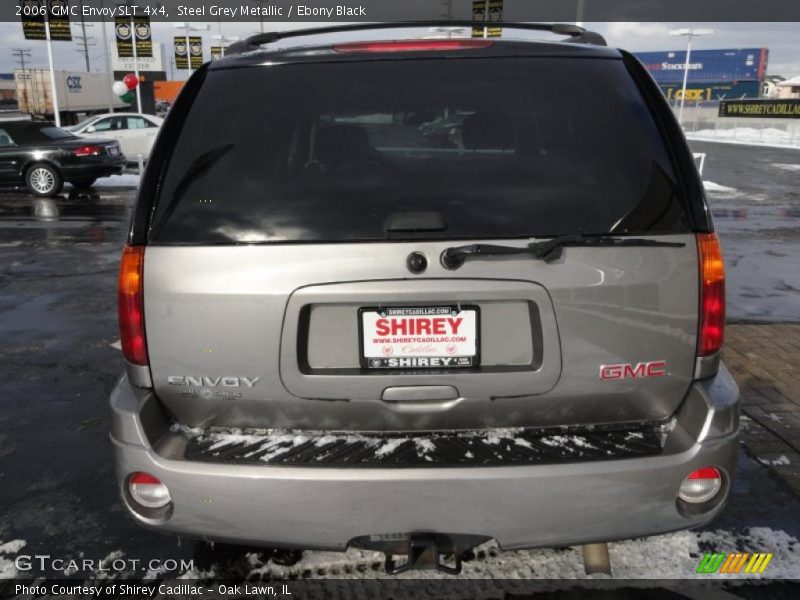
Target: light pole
[[56, 111], [261, 4], [135, 44], [689, 34], [107, 52]]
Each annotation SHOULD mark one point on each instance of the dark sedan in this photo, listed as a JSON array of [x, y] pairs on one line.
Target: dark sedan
[[42, 157]]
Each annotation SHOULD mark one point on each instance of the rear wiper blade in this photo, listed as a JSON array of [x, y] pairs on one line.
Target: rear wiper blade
[[548, 251]]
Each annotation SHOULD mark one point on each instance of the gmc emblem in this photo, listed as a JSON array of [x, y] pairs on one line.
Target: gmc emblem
[[654, 368]]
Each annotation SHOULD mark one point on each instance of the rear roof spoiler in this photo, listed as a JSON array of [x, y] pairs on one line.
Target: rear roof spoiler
[[577, 35]]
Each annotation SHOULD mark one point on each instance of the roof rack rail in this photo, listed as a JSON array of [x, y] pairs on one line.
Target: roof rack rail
[[577, 35]]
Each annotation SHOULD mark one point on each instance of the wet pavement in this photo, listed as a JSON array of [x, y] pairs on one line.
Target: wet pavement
[[58, 261], [754, 195]]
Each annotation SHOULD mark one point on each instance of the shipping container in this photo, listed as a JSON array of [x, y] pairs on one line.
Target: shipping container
[[720, 66], [716, 90], [77, 92]]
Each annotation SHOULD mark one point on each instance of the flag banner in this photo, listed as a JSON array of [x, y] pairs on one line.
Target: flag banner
[[33, 14], [181, 53], [144, 40], [59, 21], [124, 28], [487, 10], [196, 52]]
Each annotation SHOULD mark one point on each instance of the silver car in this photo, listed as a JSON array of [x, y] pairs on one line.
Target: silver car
[[345, 325]]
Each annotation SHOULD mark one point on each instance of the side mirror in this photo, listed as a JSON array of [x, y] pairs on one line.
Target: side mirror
[[90, 129]]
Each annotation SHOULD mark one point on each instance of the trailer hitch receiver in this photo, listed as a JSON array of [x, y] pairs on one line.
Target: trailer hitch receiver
[[425, 551]]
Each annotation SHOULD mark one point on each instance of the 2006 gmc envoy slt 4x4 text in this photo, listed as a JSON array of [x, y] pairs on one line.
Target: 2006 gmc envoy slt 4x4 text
[[415, 295]]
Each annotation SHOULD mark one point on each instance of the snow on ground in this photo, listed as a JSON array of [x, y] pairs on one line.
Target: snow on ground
[[781, 460], [758, 228], [7, 551], [762, 281], [671, 556], [718, 191], [769, 136], [710, 186], [786, 166]]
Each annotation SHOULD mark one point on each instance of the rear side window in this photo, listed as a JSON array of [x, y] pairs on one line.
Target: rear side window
[[138, 123], [500, 148], [111, 124], [5, 139]]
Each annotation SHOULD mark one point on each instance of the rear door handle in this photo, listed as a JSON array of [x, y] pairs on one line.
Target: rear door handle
[[420, 393]]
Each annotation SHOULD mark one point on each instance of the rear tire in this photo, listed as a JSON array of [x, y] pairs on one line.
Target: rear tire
[[83, 183], [43, 180]]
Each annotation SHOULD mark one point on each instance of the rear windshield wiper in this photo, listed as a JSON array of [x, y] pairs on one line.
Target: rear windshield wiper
[[548, 251]]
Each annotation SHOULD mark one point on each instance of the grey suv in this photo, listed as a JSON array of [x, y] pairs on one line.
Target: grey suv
[[418, 294]]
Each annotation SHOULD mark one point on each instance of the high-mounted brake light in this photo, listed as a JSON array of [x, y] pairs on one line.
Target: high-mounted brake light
[[712, 295], [413, 46], [131, 305], [88, 151]]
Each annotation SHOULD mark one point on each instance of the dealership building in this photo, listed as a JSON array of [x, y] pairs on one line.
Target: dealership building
[[713, 74]]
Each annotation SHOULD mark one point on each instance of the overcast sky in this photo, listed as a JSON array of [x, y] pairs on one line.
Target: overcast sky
[[782, 39]]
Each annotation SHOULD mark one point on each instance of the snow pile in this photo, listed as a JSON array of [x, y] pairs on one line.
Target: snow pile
[[786, 166], [710, 186], [781, 460], [747, 135], [8, 569]]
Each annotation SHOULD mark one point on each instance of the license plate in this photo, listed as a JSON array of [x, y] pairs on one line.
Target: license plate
[[113, 150], [435, 337]]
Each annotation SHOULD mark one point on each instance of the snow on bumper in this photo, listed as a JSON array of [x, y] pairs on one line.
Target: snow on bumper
[[519, 506]]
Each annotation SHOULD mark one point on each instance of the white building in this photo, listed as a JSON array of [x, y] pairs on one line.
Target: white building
[[789, 88]]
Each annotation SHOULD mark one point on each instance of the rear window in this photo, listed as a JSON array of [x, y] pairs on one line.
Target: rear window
[[499, 148]]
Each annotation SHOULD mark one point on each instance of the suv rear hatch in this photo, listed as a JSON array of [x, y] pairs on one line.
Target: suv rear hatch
[[279, 285]]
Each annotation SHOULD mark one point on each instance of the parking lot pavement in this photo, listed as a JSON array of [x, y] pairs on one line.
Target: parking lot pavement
[[765, 361], [754, 194]]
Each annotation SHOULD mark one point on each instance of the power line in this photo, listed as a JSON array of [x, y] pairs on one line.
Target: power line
[[21, 54], [83, 40], [84, 43]]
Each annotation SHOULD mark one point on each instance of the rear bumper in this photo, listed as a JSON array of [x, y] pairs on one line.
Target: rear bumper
[[519, 506], [105, 168]]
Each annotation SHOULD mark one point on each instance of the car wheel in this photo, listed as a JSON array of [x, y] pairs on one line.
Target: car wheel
[[83, 183], [44, 180]]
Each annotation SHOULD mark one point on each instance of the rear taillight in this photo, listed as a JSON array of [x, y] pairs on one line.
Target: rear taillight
[[700, 485], [88, 151], [413, 46], [131, 305], [712, 295]]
